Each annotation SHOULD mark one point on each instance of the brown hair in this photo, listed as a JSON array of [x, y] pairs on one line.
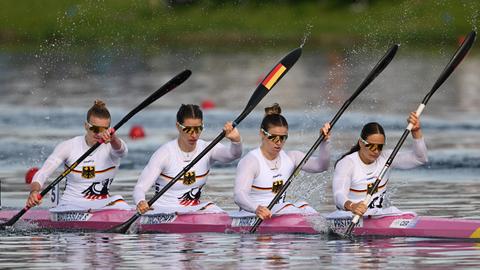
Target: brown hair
[[99, 109], [367, 130], [273, 117], [189, 111]]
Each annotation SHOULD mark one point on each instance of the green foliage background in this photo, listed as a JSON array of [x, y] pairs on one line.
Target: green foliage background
[[156, 24]]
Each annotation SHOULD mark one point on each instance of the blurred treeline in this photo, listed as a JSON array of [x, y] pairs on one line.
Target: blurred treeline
[[216, 24]]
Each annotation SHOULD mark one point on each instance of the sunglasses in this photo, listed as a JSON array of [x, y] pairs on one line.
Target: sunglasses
[[96, 129], [273, 137], [191, 129], [372, 146]]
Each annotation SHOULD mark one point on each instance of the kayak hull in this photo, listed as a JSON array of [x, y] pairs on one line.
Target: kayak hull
[[406, 225]]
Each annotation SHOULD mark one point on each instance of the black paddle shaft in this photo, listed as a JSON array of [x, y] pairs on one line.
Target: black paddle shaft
[[167, 87], [379, 67], [450, 67], [263, 88]]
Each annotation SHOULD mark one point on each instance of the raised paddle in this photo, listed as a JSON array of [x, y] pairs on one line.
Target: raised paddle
[[454, 62], [263, 88], [170, 85], [381, 65]]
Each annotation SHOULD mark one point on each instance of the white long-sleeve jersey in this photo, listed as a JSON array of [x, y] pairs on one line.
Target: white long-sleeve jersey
[[352, 177], [257, 182], [169, 160]]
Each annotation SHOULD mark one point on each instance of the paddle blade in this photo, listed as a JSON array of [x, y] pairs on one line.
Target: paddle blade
[[377, 69], [454, 62], [167, 87], [123, 228], [272, 78]]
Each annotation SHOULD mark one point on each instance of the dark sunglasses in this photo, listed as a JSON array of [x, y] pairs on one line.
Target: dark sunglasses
[[96, 129], [372, 146], [191, 129], [273, 137]]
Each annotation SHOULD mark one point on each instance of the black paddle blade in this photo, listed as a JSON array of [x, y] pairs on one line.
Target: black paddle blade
[[272, 78], [167, 87], [454, 62], [123, 228], [377, 69]]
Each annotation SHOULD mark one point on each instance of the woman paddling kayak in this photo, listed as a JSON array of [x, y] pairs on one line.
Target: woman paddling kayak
[[184, 196], [358, 169], [260, 174], [87, 186]]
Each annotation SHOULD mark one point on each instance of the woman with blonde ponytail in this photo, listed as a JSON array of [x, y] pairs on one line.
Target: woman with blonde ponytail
[[87, 186], [262, 172]]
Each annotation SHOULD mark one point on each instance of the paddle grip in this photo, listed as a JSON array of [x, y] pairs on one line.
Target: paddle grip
[[418, 112], [366, 201]]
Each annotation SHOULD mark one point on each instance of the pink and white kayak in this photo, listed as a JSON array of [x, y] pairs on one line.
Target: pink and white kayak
[[161, 223], [406, 225], [410, 225]]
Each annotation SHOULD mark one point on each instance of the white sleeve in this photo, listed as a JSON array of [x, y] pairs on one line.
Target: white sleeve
[[58, 156], [227, 154], [315, 164], [120, 153], [342, 178], [247, 170], [150, 174], [415, 157]]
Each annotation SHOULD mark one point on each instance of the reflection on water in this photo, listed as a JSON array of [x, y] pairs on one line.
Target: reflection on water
[[228, 251], [44, 99]]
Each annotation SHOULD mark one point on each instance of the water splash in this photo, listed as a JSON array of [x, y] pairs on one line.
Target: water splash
[[306, 34]]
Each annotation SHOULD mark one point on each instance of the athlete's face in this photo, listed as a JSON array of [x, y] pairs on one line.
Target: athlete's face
[[274, 139], [371, 148], [94, 126], [189, 131]]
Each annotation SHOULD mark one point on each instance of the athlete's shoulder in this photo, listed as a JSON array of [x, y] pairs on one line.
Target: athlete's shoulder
[[349, 160]]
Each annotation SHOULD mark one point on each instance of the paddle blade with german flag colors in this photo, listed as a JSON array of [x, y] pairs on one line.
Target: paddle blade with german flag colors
[[272, 78]]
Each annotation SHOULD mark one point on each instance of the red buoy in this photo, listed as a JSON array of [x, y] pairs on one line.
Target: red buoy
[[136, 132], [208, 104], [29, 175]]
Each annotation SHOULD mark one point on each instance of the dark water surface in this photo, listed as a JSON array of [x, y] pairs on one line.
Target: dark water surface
[[44, 99]]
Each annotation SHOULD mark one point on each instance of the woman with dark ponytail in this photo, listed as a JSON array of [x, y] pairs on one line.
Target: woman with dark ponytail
[[262, 172], [87, 186], [184, 196], [358, 169]]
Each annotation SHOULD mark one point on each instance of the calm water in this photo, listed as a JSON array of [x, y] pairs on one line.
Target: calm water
[[45, 96]]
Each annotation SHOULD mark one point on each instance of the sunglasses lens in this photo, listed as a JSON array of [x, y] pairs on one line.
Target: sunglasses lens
[[374, 147], [278, 138], [191, 130], [96, 129]]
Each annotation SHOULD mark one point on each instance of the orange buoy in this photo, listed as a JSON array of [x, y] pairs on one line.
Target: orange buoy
[[208, 104], [136, 132], [29, 175]]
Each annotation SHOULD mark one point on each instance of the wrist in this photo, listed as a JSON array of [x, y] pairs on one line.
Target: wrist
[[236, 140]]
